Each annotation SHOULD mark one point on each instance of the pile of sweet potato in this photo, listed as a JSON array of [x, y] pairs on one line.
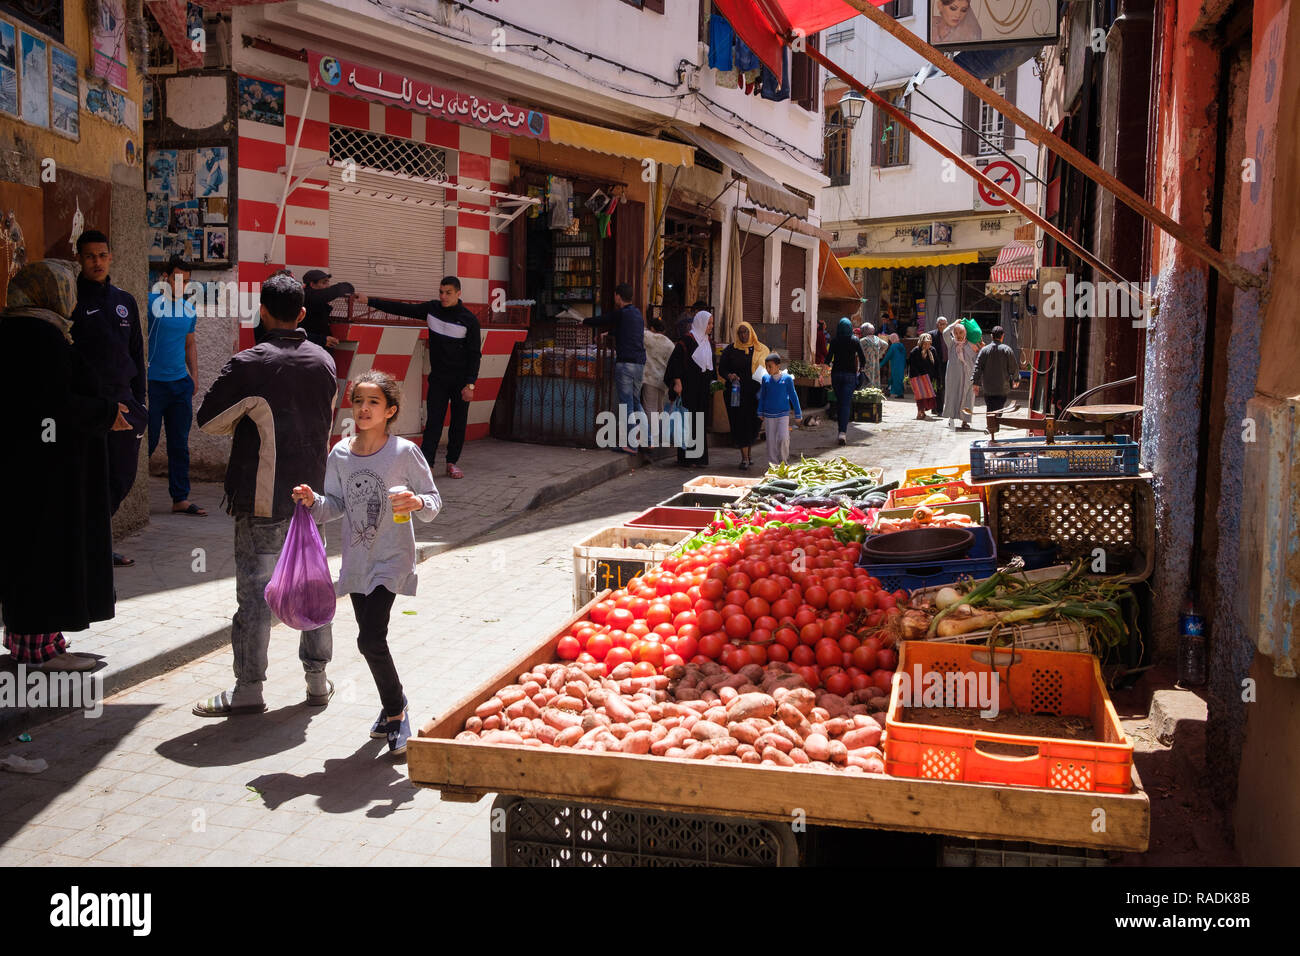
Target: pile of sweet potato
[[759, 715]]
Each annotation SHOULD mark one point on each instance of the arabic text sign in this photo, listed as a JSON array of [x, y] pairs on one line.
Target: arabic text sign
[[384, 86]]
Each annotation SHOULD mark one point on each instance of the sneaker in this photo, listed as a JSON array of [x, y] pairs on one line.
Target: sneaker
[[844, 439], [319, 689], [398, 733], [379, 729]]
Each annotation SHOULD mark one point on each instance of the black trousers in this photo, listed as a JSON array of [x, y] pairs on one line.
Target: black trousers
[[441, 393], [123, 461], [994, 402], [372, 612]]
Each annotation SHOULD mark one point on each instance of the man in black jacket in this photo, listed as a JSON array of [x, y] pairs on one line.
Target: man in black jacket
[[277, 400], [455, 350], [106, 332], [318, 296], [996, 369]]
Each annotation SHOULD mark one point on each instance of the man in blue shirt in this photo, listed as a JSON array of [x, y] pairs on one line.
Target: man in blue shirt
[[173, 371], [629, 349]]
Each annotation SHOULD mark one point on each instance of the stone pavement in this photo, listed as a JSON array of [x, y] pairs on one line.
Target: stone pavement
[[175, 603], [148, 783]]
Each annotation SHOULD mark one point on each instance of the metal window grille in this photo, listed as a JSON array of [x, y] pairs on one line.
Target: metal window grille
[[388, 154], [992, 122]]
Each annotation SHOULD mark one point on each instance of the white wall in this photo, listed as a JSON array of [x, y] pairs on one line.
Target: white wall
[[919, 188], [783, 139]]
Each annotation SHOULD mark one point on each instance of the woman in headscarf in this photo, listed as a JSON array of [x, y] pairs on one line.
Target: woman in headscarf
[[689, 376], [922, 366], [896, 358], [846, 358], [872, 349], [736, 367], [958, 392], [56, 567]]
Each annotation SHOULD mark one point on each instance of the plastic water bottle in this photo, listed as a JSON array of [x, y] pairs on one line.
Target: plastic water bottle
[[734, 400], [1191, 646]]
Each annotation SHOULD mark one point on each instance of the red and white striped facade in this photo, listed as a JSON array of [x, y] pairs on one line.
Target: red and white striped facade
[[473, 252]]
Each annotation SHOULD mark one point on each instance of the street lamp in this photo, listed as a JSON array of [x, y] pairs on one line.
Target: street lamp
[[851, 105]]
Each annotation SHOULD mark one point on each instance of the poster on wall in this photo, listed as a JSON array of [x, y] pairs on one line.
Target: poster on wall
[[148, 108], [185, 174], [971, 24], [65, 105], [215, 210], [211, 171], [185, 216], [8, 69], [161, 171], [261, 102], [157, 245], [194, 244], [109, 43], [110, 106], [36, 80], [214, 243]]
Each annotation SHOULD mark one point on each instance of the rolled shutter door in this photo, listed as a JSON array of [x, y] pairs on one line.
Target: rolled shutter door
[[751, 277], [794, 263], [385, 237]]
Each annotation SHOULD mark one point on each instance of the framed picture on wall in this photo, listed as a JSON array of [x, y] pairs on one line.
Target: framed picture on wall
[[216, 243], [9, 69], [35, 79], [65, 101]]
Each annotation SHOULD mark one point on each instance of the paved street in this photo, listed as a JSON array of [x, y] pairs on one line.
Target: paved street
[[147, 783]]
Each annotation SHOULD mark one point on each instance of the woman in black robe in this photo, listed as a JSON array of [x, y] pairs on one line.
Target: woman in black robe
[[736, 366], [689, 376], [56, 560]]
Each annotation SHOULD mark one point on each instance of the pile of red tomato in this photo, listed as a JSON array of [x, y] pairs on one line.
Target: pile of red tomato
[[781, 594]]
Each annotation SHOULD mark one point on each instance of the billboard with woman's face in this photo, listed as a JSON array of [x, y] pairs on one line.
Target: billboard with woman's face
[[971, 24]]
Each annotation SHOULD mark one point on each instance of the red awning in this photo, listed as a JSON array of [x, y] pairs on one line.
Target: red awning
[[1016, 263], [764, 24]]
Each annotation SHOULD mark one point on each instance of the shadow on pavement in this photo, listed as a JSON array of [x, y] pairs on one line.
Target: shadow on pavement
[[225, 742], [344, 784], [70, 757]]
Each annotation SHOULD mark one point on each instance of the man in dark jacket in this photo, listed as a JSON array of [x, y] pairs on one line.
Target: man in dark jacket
[[319, 294], [996, 370], [106, 332], [277, 400], [629, 349], [455, 350]]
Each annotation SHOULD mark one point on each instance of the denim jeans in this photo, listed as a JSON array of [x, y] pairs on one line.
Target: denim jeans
[[627, 386], [843, 383], [257, 547], [171, 405]]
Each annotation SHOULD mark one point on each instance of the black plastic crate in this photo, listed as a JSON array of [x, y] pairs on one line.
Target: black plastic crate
[[562, 833], [701, 499]]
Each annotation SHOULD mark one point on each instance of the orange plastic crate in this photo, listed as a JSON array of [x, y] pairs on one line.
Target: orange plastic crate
[[1051, 682], [957, 490]]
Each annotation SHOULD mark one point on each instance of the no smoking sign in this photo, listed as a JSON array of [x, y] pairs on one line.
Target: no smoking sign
[[1006, 175]]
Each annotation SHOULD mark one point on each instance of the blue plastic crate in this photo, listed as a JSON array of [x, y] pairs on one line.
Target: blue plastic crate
[[1079, 456], [980, 562]]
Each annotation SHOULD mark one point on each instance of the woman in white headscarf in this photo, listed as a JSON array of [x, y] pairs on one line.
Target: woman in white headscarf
[[958, 392], [689, 377]]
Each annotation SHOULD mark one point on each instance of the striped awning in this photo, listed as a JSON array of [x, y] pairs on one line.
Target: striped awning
[[1016, 263]]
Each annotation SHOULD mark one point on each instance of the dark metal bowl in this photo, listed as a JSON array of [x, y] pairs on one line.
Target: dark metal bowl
[[924, 544]]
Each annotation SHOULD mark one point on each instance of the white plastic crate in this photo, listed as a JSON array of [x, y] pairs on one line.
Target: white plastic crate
[[618, 554], [704, 482]]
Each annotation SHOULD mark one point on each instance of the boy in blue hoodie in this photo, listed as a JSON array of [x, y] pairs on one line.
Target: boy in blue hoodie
[[776, 399]]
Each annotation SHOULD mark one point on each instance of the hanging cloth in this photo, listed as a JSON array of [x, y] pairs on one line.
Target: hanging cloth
[[778, 88], [721, 38]]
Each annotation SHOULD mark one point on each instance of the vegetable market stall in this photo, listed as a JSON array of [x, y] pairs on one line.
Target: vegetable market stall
[[701, 704]]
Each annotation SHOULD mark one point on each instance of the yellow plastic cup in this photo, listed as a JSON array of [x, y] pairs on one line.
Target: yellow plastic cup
[[399, 518]]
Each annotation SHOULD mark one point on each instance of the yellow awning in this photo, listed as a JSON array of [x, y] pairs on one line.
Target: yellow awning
[[908, 262], [599, 139]]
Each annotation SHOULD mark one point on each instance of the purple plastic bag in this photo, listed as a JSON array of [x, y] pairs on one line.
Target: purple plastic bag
[[301, 592]]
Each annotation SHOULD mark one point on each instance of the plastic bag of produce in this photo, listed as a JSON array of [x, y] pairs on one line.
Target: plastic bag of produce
[[301, 593], [973, 331]]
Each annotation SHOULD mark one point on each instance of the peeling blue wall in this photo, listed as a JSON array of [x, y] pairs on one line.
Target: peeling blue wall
[[1232, 647], [1170, 440]]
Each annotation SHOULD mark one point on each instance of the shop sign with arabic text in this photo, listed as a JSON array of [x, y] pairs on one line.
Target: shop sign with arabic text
[[385, 86]]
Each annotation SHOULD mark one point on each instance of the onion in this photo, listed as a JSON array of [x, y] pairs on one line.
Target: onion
[[946, 598]]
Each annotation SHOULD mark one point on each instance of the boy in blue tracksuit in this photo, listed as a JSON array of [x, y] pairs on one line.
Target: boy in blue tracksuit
[[776, 399]]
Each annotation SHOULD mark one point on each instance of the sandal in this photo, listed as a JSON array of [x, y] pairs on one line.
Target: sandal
[[193, 509], [219, 706]]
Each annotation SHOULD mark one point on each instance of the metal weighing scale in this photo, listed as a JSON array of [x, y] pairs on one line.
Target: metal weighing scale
[[1093, 419]]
